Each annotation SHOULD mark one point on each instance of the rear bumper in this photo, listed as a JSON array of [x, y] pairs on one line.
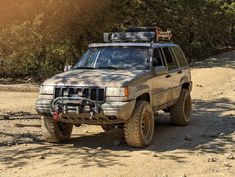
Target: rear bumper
[[112, 112]]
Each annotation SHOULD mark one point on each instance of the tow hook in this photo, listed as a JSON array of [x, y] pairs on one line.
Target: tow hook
[[57, 113], [56, 116]]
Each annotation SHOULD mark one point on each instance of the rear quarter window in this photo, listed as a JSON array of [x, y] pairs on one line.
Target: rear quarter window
[[170, 59], [179, 54]]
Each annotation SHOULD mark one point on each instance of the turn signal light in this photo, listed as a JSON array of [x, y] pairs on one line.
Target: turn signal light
[[126, 91]]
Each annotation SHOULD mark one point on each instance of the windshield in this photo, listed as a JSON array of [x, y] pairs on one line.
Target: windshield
[[115, 58]]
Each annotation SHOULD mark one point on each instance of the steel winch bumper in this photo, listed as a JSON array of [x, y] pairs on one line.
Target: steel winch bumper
[[80, 110], [78, 107]]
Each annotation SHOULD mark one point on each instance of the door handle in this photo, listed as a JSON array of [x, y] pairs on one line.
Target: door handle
[[180, 72], [168, 76]]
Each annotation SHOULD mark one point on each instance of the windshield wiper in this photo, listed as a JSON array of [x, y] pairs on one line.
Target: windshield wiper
[[101, 67], [111, 67], [84, 67]]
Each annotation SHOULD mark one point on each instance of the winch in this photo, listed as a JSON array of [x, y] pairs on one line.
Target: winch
[[80, 107]]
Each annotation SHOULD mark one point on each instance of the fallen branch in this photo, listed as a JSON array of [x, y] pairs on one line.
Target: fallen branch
[[20, 117], [27, 125]]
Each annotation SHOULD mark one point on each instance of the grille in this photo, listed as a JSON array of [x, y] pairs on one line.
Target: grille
[[95, 94]]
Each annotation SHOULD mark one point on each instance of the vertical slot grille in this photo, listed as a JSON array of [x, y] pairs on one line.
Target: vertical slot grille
[[86, 93], [57, 92], [95, 94], [101, 95]]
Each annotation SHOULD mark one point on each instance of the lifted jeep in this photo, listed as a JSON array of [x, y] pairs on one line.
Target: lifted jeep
[[120, 82]]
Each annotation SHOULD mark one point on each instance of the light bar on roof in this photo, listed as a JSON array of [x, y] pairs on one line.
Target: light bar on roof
[[139, 34], [129, 37]]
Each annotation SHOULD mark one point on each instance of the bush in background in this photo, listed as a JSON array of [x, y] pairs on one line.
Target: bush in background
[[39, 37]]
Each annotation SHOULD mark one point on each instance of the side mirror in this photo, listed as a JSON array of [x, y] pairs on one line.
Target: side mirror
[[189, 60], [67, 68], [160, 70]]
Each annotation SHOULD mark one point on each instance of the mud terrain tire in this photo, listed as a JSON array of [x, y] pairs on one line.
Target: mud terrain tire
[[181, 111], [55, 132], [139, 129]]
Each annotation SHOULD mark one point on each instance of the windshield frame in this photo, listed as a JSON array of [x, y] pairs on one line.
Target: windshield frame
[[149, 58]]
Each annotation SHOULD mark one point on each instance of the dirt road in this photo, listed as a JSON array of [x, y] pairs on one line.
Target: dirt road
[[205, 148]]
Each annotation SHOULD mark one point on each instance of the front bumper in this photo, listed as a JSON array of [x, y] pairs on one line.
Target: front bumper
[[111, 112], [43, 107]]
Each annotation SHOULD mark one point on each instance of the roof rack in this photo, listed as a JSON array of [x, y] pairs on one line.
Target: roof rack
[[139, 34]]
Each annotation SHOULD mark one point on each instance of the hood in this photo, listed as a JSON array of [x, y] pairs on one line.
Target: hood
[[111, 78]]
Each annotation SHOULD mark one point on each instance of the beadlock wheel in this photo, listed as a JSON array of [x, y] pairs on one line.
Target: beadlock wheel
[[139, 129], [181, 111]]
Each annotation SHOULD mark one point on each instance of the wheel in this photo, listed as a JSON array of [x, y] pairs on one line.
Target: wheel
[[181, 111], [108, 127], [55, 131], [139, 129]]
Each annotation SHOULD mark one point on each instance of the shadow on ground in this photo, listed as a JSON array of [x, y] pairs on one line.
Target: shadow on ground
[[225, 60], [210, 129]]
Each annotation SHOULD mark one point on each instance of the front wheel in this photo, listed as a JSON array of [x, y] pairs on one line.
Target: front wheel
[[181, 111], [139, 129], [54, 131]]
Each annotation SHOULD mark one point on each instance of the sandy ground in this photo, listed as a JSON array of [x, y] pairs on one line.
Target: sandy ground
[[205, 148], [14, 102]]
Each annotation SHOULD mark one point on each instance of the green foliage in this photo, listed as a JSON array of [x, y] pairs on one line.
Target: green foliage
[[200, 27], [39, 37]]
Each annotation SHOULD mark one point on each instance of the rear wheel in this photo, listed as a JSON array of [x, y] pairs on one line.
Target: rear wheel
[[54, 131], [139, 129], [181, 111]]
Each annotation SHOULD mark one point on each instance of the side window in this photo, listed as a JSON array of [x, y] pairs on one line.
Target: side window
[[157, 58], [171, 61], [180, 56]]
